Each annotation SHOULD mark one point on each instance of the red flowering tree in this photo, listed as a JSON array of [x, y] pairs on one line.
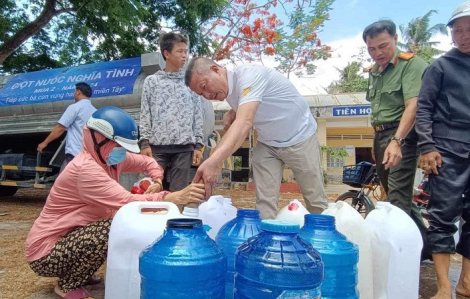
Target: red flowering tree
[[246, 31], [300, 44]]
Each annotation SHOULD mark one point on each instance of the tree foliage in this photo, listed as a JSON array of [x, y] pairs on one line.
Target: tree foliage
[[246, 31], [42, 34], [350, 80], [417, 35], [300, 46]]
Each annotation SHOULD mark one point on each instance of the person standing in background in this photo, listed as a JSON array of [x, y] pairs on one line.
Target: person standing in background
[[72, 121], [394, 84], [171, 120]]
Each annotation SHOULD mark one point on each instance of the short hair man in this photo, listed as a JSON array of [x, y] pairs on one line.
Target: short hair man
[[72, 121], [263, 98], [394, 84], [442, 124], [171, 118]]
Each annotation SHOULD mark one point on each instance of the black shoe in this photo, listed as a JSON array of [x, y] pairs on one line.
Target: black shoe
[[426, 256]]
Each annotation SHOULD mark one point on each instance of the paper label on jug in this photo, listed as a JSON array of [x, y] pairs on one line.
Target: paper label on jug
[[301, 294]]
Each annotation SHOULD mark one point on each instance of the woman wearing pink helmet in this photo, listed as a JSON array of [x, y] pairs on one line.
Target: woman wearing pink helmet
[[69, 240]]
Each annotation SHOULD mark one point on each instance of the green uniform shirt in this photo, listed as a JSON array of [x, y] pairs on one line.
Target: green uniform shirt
[[388, 91]]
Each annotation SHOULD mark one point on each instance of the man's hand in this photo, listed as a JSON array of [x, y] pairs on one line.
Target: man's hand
[[146, 152], [228, 119], [392, 155], [197, 158], [41, 147], [209, 172], [429, 162]]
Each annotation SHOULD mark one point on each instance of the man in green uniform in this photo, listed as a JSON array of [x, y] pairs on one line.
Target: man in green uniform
[[394, 84]]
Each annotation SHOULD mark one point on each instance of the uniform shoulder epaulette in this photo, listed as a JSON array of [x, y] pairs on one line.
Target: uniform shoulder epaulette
[[406, 55], [368, 69]]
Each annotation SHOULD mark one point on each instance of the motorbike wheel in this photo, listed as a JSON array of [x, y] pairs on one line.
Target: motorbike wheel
[[358, 202]]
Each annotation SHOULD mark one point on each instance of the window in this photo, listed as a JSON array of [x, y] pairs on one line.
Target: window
[[334, 163]]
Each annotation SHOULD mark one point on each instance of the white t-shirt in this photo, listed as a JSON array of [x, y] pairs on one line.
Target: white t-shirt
[[283, 118]]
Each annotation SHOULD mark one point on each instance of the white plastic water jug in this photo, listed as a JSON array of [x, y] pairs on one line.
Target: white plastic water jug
[[351, 224], [135, 226], [294, 212], [212, 213], [229, 209], [396, 246]]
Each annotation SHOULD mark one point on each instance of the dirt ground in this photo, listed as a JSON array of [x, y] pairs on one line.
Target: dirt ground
[[18, 281], [17, 214]]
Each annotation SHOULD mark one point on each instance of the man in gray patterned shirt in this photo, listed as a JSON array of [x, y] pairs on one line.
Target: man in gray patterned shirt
[[171, 119]]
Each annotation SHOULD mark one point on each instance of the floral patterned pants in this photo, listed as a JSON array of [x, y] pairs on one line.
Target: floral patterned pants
[[77, 256]]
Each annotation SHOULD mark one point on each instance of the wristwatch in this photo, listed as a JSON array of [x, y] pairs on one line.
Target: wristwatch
[[400, 141]]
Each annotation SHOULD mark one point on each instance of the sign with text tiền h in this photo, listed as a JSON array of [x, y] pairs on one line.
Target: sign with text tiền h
[[352, 111], [105, 78]]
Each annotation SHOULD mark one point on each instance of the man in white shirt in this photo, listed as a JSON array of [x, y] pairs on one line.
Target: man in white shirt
[[263, 98], [72, 121]]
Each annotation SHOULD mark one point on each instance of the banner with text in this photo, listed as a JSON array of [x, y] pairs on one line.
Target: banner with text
[[352, 110], [105, 78]]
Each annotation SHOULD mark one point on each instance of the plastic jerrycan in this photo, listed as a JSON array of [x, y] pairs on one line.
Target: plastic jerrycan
[[183, 263], [294, 212], [231, 236], [229, 209], [135, 226], [212, 213], [351, 224], [339, 256], [277, 264], [397, 245]]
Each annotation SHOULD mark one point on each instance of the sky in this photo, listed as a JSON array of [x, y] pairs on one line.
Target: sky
[[343, 33]]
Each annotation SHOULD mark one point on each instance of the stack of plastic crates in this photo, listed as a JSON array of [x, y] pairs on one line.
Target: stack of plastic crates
[[356, 175]]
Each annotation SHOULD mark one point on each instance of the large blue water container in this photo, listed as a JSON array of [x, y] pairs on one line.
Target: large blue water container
[[184, 263], [339, 255], [277, 263], [231, 236]]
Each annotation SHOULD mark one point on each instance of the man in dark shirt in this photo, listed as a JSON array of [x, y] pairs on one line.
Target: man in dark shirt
[[443, 124]]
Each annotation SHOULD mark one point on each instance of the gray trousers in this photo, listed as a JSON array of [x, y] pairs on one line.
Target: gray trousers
[[178, 175], [304, 159]]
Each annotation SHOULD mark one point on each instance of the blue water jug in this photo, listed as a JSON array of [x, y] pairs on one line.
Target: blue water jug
[[232, 235], [277, 263], [183, 263], [339, 255]]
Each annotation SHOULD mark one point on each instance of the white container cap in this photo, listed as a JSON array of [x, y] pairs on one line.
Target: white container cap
[[192, 212]]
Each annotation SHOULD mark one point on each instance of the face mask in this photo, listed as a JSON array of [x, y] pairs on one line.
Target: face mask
[[117, 155]]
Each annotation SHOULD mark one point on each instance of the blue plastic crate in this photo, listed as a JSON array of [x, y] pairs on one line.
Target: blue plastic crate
[[355, 175]]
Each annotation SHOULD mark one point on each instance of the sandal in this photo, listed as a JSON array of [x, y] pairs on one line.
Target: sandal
[[79, 293], [94, 279]]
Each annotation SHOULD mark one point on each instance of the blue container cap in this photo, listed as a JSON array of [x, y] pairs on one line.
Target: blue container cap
[[279, 226], [183, 223]]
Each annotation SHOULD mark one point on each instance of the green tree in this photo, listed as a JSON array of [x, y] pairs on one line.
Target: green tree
[[350, 80], [417, 35], [299, 46], [245, 31], [50, 33]]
